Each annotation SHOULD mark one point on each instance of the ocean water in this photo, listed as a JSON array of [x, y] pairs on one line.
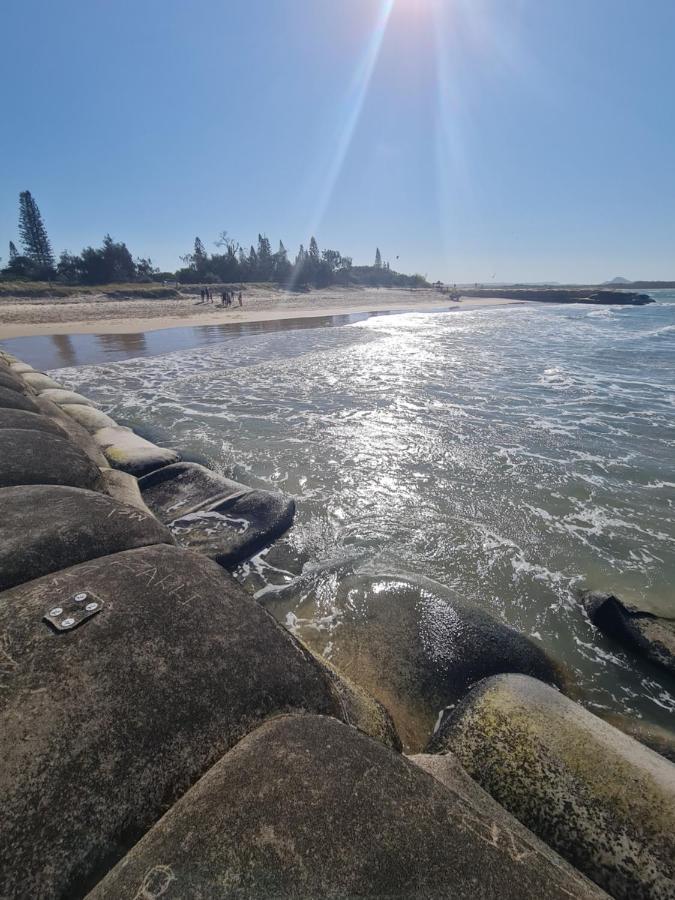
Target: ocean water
[[513, 454]]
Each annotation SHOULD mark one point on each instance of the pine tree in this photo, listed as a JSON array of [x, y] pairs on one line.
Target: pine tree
[[13, 253], [253, 264], [265, 261], [378, 259], [264, 247], [282, 267], [199, 256], [314, 254], [33, 232]]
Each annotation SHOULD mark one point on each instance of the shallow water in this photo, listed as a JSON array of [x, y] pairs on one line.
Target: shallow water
[[54, 351], [514, 454]]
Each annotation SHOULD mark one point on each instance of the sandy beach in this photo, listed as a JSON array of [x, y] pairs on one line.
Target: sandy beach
[[92, 314]]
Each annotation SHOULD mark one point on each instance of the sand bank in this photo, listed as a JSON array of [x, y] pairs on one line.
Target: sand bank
[[84, 315]]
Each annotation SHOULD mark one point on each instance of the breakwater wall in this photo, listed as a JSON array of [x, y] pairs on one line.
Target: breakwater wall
[[602, 297], [163, 735]]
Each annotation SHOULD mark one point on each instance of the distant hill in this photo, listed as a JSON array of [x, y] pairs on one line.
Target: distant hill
[[619, 280]]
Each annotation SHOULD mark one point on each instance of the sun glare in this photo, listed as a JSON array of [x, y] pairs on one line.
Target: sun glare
[[352, 108]]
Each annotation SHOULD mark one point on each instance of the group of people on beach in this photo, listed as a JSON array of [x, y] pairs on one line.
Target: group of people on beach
[[227, 297]]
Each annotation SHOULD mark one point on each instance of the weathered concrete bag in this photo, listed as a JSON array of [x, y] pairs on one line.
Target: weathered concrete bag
[[44, 528], [104, 726], [75, 431], [413, 643], [38, 381], [223, 519], [10, 398], [604, 801], [128, 451], [11, 382], [29, 456], [61, 396], [306, 807], [124, 488], [89, 418], [20, 368], [20, 418]]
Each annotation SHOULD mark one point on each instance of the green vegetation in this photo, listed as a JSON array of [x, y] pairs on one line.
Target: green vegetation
[[112, 263], [312, 267], [24, 289], [33, 233]]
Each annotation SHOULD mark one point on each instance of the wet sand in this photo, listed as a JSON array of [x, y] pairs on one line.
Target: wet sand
[[84, 315]]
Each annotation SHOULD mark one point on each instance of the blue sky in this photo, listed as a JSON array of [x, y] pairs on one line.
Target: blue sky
[[472, 139]]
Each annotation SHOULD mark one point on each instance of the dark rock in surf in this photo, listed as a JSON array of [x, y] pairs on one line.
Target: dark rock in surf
[[416, 646], [103, 727], [602, 800], [306, 807], [227, 521], [45, 528], [10, 398], [28, 456], [634, 626]]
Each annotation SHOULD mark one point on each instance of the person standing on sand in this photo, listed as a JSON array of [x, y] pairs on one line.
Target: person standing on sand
[[240, 303], [202, 292]]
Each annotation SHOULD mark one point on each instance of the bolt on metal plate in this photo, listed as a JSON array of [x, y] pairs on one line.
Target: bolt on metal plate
[[78, 608]]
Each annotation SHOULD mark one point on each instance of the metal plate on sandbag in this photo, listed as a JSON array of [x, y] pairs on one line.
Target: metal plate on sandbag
[[78, 608]]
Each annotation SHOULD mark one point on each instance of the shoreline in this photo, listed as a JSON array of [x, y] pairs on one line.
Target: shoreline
[[236, 316]]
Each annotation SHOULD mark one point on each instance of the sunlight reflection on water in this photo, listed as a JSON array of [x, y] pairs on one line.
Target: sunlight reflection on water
[[513, 454]]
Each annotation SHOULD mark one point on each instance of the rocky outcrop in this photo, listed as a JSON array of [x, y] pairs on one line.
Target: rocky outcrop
[[417, 647], [30, 456], [305, 807], [634, 626], [605, 297], [46, 528], [223, 519], [103, 727], [602, 800]]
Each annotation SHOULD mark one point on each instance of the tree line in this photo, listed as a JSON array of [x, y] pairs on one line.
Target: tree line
[[112, 262]]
